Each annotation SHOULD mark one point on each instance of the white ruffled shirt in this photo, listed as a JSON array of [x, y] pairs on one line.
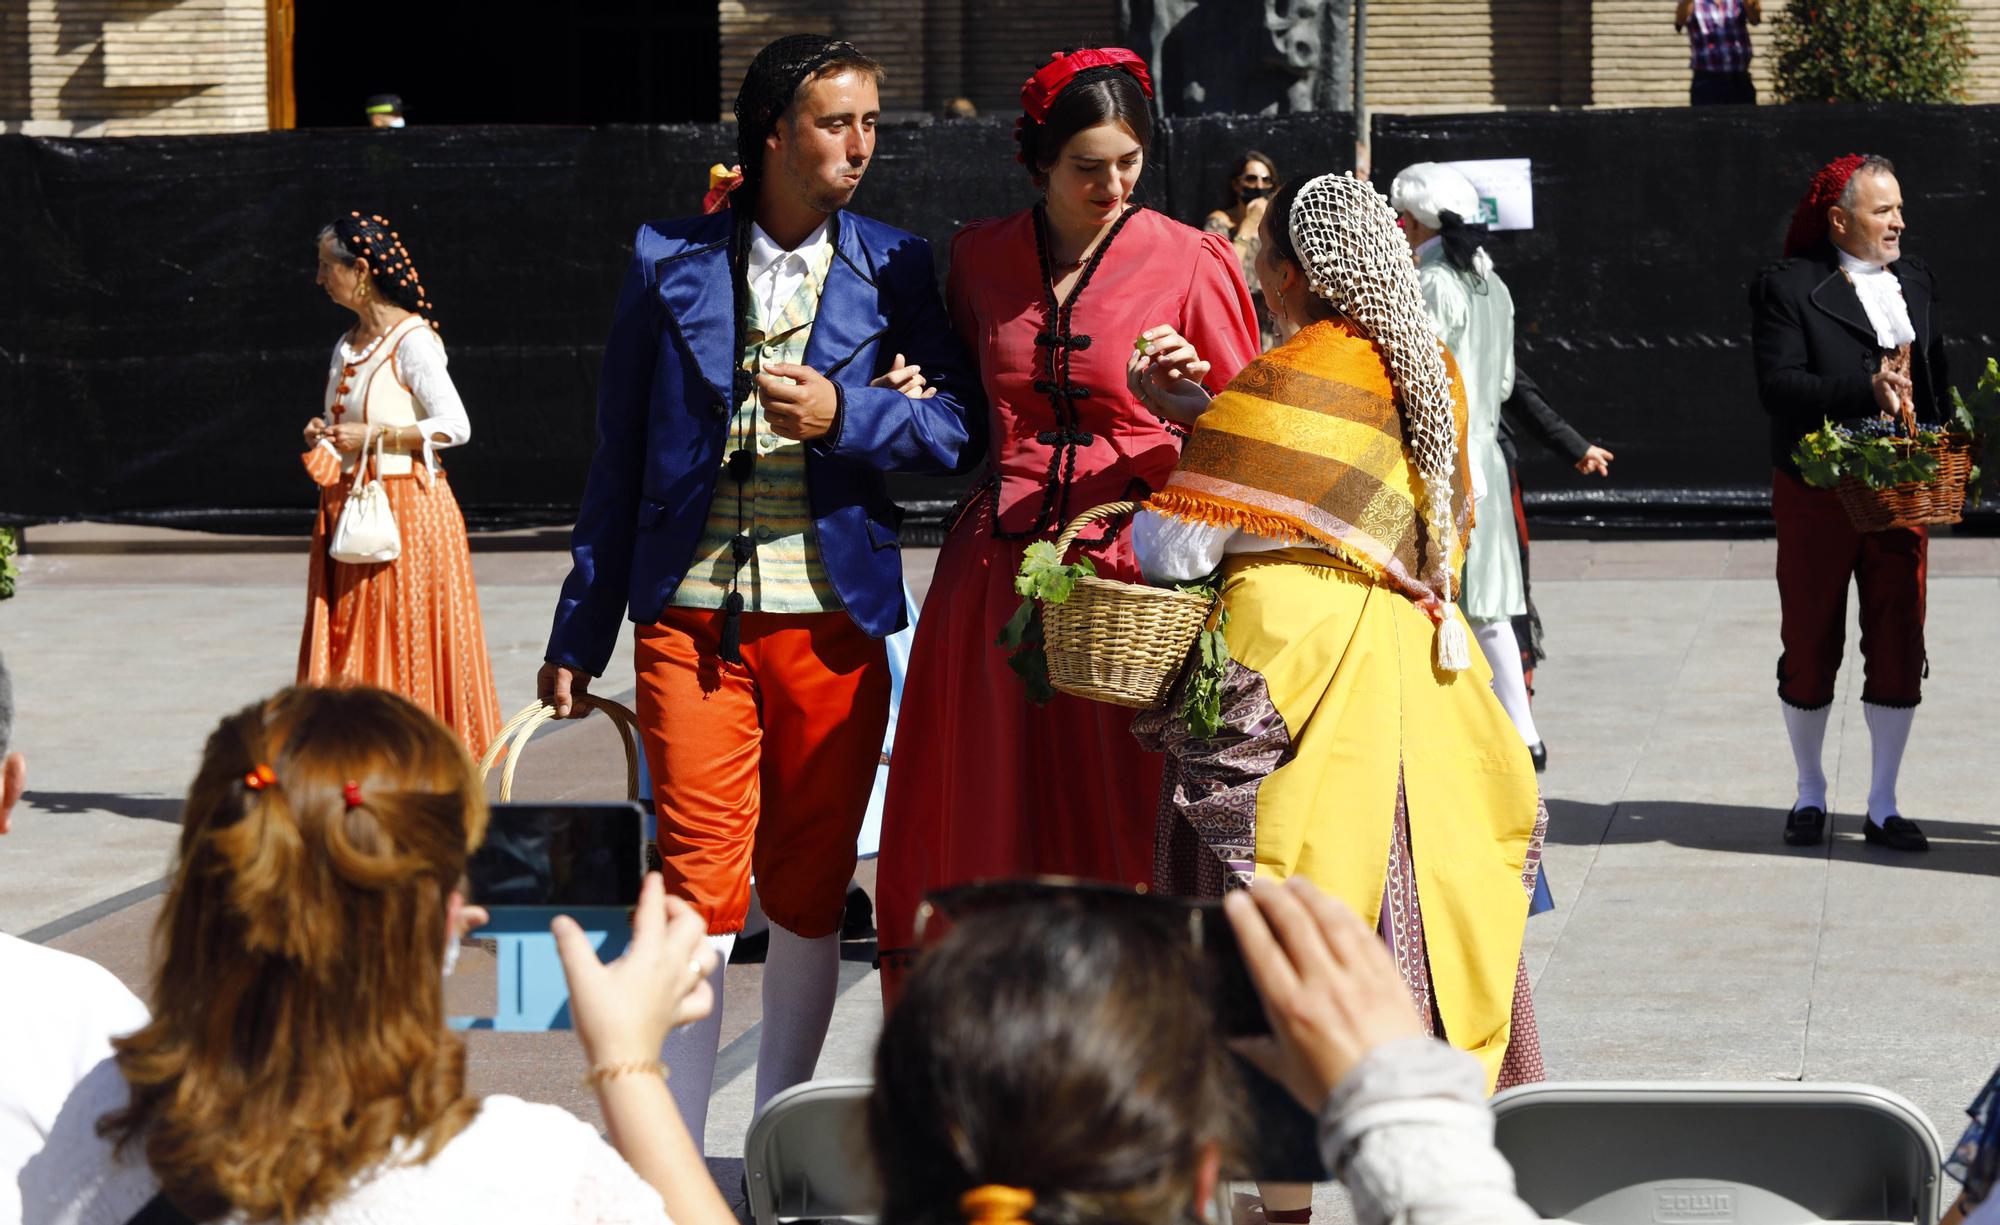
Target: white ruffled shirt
[[1882, 298], [516, 1163]]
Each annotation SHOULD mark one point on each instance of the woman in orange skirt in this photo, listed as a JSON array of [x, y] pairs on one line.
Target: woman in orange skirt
[[410, 625]]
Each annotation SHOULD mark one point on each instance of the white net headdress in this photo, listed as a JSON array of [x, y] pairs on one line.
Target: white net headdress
[[1355, 257]]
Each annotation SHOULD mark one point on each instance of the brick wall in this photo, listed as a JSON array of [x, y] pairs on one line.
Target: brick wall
[[132, 67], [1457, 55], [933, 50]]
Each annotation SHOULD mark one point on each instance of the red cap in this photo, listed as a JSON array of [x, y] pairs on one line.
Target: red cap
[[1809, 219]]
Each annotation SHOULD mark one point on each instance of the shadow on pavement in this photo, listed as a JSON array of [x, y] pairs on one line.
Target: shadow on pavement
[[142, 807], [1956, 846]]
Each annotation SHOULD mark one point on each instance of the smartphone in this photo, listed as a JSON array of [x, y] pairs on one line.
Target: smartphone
[[560, 855]]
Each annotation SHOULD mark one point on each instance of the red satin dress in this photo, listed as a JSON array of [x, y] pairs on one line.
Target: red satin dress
[[983, 783]]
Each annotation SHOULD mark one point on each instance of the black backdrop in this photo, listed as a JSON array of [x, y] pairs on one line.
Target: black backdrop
[[1630, 291], [162, 343]]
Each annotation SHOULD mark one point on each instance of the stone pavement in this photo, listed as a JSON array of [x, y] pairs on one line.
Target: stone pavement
[[1688, 941]]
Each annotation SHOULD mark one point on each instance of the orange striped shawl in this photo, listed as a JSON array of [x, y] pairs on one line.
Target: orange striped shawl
[[1306, 445]]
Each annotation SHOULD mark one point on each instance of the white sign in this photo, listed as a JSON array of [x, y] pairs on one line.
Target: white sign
[[1506, 191]]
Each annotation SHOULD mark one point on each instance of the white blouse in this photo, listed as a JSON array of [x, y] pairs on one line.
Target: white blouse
[[516, 1163], [420, 361], [1882, 298], [1173, 550]]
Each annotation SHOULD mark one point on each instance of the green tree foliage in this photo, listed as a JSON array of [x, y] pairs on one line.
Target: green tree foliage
[[1872, 51]]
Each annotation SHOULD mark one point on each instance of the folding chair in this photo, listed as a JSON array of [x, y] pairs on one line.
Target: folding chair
[[1690, 1153], [807, 1155]]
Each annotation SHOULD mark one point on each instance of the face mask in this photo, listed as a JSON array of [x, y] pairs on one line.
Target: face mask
[[1247, 194], [450, 955]]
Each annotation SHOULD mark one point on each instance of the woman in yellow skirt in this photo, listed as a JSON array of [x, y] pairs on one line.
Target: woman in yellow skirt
[[1360, 744], [410, 625]]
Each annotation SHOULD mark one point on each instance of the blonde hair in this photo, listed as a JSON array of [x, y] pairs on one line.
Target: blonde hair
[[298, 1017]]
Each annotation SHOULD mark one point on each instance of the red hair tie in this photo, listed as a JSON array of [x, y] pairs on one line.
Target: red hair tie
[[721, 181], [260, 777], [351, 793], [1042, 89]]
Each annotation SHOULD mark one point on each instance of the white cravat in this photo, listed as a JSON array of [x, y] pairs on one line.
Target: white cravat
[[775, 273], [1882, 298]]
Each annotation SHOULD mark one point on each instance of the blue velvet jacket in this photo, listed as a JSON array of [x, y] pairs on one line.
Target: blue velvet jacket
[[663, 409]]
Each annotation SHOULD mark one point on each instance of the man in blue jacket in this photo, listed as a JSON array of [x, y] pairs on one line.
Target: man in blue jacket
[[767, 364]]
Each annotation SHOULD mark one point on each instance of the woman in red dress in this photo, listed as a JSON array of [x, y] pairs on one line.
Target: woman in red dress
[[1050, 301]]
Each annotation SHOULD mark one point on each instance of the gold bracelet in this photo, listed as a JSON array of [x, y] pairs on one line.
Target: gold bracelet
[[599, 1073]]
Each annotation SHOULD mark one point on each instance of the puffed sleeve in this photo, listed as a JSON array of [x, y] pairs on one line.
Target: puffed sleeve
[[958, 284], [1217, 316], [1450, 308], [420, 364], [1173, 550]]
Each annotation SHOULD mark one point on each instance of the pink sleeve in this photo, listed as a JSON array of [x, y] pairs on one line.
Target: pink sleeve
[[1216, 315]]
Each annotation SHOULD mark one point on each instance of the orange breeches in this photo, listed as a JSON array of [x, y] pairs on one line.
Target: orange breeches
[[762, 767]]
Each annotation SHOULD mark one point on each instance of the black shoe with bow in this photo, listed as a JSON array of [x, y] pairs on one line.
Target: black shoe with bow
[[1896, 833], [1805, 826]]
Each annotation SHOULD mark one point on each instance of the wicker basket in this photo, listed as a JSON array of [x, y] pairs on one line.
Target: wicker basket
[[515, 734], [1916, 503], [1123, 643]]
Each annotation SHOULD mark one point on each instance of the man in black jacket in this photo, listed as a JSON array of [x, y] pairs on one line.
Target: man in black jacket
[[1834, 328]]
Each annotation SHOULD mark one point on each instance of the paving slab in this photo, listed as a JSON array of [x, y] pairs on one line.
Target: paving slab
[[1688, 941]]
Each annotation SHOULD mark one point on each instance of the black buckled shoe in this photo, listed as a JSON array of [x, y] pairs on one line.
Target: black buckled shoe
[[1805, 826], [1896, 833]]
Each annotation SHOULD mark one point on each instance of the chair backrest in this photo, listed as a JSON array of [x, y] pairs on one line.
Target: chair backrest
[[1691, 1153], [807, 1157]]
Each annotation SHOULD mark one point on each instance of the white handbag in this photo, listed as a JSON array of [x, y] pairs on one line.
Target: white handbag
[[366, 532]]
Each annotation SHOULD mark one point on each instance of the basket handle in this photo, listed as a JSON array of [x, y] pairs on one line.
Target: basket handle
[[1110, 510], [517, 731]]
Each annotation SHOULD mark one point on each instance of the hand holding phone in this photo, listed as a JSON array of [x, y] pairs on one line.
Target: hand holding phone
[[623, 1011], [1328, 984]]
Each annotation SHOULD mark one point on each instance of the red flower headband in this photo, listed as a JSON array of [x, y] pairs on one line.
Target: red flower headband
[[1040, 91], [1808, 228]]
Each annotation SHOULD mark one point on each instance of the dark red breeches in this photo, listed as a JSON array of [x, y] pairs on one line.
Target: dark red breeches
[[1818, 551]]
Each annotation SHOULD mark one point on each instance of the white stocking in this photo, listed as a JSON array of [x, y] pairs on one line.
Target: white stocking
[[1888, 734], [689, 1052], [1510, 684], [800, 978], [1807, 728]]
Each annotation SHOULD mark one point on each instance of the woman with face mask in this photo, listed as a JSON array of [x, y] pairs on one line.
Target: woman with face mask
[[1251, 181], [989, 782]]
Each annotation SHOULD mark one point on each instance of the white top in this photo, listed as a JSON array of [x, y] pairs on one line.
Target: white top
[[1882, 297], [1173, 550], [420, 363], [61, 1015], [1410, 1134], [775, 273], [516, 1163]]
